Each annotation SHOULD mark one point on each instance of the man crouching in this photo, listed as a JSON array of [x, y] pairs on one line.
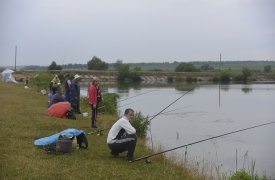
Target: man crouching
[[122, 136]]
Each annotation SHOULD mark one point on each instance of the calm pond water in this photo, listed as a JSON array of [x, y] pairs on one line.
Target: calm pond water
[[207, 111]]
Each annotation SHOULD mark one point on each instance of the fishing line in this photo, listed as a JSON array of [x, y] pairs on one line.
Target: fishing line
[[169, 105], [133, 97], [167, 112], [207, 139], [151, 138], [136, 95]]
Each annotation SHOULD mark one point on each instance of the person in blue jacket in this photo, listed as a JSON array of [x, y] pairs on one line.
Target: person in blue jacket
[[57, 96], [67, 84], [75, 94]]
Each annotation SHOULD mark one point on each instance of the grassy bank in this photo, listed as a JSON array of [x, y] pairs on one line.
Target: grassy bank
[[23, 119]]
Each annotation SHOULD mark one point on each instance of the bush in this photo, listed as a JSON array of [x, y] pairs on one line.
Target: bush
[[246, 73], [126, 75], [185, 67], [170, 79], [179, 79], [190, 79], [109, 103], [225, 76], [244, 175], [141, 124], [41, 81]]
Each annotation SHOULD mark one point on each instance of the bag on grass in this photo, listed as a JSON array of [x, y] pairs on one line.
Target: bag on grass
[[71, 114], [59, 109], [50, 142], [82, 141]]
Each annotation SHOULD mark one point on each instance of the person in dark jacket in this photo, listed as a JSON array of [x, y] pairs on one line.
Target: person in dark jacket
[[75, 94], [67, 84], [57, 96]]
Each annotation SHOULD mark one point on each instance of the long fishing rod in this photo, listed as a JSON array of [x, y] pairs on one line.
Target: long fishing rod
[[99, 131], [196, 142], [126, 104], [136, 95], [167, 112], [151, 138], [169, 105]]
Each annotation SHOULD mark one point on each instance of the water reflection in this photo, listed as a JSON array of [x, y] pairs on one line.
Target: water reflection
[[246, 90]]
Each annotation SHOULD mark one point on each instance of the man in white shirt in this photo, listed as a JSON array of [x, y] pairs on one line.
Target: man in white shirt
[[122, 136]]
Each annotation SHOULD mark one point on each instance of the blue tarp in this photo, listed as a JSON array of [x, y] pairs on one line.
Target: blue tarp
[[52, 140]]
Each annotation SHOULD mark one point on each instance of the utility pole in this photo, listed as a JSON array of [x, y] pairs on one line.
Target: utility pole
[[220, 80], [220, 61], [15, 58]]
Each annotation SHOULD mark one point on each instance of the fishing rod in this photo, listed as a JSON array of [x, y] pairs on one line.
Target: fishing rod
[[136, 95], [99, 131], [196, 142], [151, 138], [167, 112], [169, 105]]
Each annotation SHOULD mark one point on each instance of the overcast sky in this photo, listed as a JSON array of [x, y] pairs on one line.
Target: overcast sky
[[73, 31]]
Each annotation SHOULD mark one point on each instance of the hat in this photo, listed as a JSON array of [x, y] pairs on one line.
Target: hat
[[76, 76], [95, 78]]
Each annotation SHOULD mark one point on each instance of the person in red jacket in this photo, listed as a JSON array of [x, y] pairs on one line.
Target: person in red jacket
[[93, 101]]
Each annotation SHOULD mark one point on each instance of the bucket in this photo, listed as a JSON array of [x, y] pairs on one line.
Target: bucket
[[65, 145]]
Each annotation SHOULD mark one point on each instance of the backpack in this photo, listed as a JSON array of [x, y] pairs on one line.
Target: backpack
[[71, 114], [82, 141]]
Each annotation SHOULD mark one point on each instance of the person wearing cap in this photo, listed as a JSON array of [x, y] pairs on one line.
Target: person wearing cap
[[75, 94], [122, 136], [93, 100], [54, 81]]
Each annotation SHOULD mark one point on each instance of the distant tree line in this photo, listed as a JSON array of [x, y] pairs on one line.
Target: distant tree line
[[97, 63]]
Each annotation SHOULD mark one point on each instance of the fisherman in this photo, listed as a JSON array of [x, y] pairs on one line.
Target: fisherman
[[67, 84], [93, 101], [57, 96], [122, 136], [54, 81], [75, 94]]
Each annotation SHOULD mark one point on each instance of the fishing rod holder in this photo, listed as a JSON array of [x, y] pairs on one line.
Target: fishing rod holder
[[147, 161], [100, 132]]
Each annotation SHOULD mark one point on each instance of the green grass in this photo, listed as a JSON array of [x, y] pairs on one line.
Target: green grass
[[23, 119]]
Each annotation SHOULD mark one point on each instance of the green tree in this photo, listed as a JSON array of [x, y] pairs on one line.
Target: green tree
[[225, 76], [137, 69], [97, 64], [135, 76], [54, 66], [206, 67], [267, 68], [246, 72], [185, 67], [117, 64], [123, 72]]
